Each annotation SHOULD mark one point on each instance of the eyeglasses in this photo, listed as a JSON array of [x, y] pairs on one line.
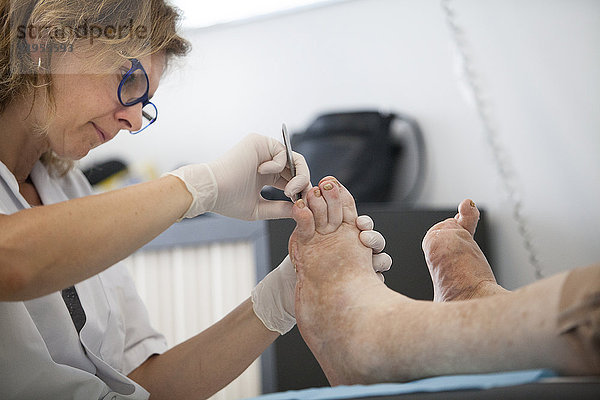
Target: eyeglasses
[[133, 89]]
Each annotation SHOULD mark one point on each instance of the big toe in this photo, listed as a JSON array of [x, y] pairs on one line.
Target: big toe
[[468, 215]]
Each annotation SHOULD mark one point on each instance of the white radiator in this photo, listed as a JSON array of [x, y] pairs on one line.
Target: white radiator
[[188, 288]]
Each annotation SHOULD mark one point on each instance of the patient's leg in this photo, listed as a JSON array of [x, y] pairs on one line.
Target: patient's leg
[[458, 267], [362, 332]]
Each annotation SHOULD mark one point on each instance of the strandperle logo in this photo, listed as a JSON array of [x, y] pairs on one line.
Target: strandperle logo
[[84, 31]]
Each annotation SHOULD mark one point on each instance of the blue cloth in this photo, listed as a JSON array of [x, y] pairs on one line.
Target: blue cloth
[[437, 384]]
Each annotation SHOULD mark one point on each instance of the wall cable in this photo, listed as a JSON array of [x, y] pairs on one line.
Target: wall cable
[[503, 164]]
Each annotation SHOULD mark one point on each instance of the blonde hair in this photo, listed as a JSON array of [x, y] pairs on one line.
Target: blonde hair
[[113, 29]]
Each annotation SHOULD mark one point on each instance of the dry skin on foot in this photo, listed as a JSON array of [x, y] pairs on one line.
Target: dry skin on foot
[[362, 332], [458, 267]]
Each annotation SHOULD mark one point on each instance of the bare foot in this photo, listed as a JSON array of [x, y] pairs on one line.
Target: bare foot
[[458, 267], [334, 270], [362, 332]]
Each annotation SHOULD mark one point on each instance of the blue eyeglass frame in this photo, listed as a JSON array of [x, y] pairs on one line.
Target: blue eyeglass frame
[[135, 65]]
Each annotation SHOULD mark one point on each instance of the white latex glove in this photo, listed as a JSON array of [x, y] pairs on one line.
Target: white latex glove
[[273, 298], [231, 184], [381, 261]]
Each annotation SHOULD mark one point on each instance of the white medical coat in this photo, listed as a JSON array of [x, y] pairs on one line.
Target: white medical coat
[[41, 354]]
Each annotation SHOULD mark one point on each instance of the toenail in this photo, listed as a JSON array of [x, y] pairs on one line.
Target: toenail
[[328, 186], [317, 192], [300, 204], [472, 203]]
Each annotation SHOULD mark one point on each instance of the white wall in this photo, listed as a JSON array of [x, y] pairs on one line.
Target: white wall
[[539, 63]]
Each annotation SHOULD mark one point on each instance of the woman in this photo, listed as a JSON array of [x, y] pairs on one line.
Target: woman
[[73, 74]]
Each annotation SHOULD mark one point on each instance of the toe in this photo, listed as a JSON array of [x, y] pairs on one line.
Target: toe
[[349, 213], [327, 178], [305, 223], [468, 215], [318, 206], [331, 194]]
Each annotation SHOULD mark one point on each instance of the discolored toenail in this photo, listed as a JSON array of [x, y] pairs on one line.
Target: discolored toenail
[[300, 204], [328, 186], [317, 192], [472, 203]]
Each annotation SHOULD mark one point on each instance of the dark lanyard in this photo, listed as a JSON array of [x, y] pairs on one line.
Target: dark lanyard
[[71, 299]]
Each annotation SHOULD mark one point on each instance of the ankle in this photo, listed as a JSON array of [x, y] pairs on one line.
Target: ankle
[[488, 288]]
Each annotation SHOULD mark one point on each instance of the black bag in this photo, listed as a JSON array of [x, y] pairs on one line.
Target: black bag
[[360, 150]]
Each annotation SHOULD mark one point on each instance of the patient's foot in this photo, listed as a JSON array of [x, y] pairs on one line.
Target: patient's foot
[[362, 332], [458, 267], [337, 288]]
